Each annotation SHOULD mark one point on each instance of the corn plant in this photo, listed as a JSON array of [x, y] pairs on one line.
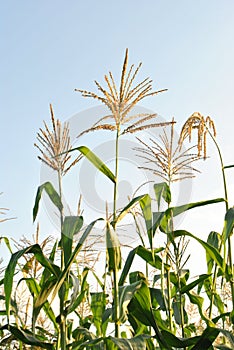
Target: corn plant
[[130, 310]]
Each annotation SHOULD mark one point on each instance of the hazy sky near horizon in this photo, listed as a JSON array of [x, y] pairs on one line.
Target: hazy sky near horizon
[[49, 48]]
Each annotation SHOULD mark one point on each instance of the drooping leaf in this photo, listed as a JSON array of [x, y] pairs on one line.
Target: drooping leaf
[[212, 251], [96, 161], [147, 255], [128, 207], [198, 300], [174, 211], [54, 197], [27, 338], [217, 318], [10, 269], [157, 299]]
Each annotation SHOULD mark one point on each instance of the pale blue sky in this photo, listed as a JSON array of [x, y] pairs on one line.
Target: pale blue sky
[[48, 48]]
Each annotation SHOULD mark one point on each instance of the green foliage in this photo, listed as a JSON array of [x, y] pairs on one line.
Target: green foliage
[[146, 310]]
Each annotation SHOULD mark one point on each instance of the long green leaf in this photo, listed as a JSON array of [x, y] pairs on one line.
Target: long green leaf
[[97, 162], [54, 197], [174, 211], [207, 338], [128, 207], [228, 335], [212, 251], [193, 284], [198, 300], [147, 255], [10, 269], [27, 338], [40, 295]]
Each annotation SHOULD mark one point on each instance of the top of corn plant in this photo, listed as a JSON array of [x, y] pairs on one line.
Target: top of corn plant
[[166, 160], [203, 126], [54, 145], [121, 101]]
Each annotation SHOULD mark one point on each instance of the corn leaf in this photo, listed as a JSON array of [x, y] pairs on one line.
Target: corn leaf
[[113, 249], [147, 255], [128, 207], [71, 226], [125, 295], [145, 204], [27, 337], [207, 338], [174, 211], [72, 258], [193, 284], [162, 190], [10, 269], [228, 225], [97, 162], [53, 195]]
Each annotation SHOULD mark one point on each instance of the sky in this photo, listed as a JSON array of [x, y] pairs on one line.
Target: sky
[[49, 48]]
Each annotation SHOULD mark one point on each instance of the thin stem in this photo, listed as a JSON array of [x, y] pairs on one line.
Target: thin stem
[[178, 271], [116, 303], [168, 278], [62, 325], [116, 174], [115, 272], [229, 238]]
